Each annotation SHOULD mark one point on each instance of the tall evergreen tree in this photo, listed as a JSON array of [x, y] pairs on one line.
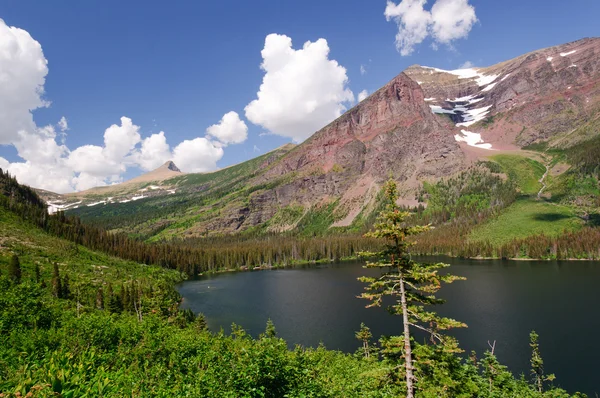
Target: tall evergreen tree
[[38, 276], [364, 335], [56, 282], [411, 285], [270, 331], [66, 288], [14, 269], [537, 363], [100, 299]]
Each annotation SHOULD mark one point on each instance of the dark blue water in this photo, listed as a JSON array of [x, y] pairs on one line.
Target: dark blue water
[[501, 301]]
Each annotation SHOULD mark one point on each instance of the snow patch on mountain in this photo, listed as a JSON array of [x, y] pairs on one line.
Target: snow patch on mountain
[[439, 110], [473, 116], [569, 53], [472, 139], [59, 205]]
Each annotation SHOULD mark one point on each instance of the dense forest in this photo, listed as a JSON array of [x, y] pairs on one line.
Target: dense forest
[[75, 322], [192, 256]]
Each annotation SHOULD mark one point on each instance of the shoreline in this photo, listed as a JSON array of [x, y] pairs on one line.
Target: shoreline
[[304, 263]]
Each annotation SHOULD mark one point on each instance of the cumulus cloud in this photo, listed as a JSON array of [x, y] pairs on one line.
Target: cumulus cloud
[[230, 130], [154, 152], [47, 163], [363, 70], [197, 155], [448, 20], [23, 70], [113, 158], [302, 90], [466, 65], [362, 95]]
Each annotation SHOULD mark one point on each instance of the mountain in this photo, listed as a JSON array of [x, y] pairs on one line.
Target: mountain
[[424, 125], [164, 172], [550, 95]]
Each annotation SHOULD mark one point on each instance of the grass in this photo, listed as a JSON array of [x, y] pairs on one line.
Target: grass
[[525, 172], [527, 217]]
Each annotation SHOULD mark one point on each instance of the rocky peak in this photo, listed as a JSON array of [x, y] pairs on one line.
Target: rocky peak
[[169, 165]]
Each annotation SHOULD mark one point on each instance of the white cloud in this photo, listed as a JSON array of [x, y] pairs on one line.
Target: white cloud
[[363, 70], [23, 71], [56, 178], [120, 140], [447, 21], [452, 19], [4, 163], [302, 90], [197, 155], [154, 152], [466, 65], [114, 157], [63, 124], [47, 163], [230, 130], [362, 95]]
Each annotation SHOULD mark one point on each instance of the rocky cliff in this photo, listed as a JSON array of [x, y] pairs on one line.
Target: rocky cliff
[[392, 132]]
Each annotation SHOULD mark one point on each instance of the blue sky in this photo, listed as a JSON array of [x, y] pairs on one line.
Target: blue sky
[[178, 67]]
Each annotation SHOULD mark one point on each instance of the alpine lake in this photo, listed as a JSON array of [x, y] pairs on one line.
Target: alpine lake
[[501, 301]]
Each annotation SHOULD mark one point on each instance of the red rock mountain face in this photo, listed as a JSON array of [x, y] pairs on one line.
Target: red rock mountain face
[[392, 132], [547, 95]]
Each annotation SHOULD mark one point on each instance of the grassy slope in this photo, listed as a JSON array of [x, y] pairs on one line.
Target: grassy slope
[[524, 218], [33, 245], [524, 171], [527, 216]]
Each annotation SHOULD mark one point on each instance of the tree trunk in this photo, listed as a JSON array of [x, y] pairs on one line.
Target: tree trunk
[[410, 389]]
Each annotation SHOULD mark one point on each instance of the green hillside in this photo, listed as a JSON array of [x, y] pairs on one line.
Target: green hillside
[[200, 198]]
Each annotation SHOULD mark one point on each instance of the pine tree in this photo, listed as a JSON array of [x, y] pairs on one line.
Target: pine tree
[[100, 299], [126, 298], [113, 301], [56, 282], [14, 269], [38, 276], [537, 363], [201, 323], [410, 284], [66, 288], [364, 335], [270, 331]]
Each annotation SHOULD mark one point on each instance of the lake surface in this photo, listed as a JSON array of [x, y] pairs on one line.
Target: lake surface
[[501, 301]]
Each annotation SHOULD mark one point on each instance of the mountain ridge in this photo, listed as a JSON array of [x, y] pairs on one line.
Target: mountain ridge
[[423, 125]]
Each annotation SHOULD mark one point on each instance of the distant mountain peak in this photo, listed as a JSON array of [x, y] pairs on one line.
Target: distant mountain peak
[[169, 165]]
